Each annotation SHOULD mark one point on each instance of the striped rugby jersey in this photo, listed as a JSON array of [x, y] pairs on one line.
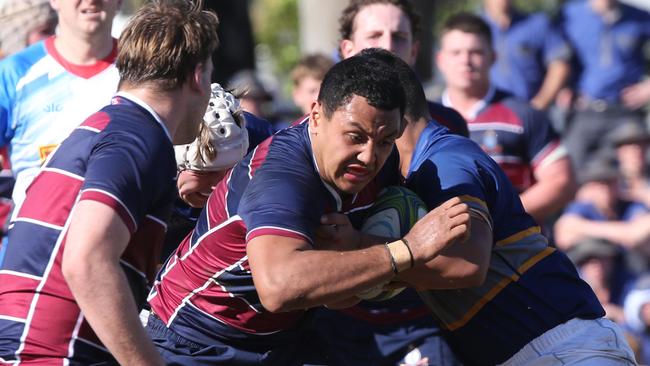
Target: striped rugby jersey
[[205, 291], [514, 134], [121, 156]]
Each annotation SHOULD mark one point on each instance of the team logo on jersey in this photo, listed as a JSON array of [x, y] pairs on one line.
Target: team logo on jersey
[[45, 150], [490, 142], [53, 108]]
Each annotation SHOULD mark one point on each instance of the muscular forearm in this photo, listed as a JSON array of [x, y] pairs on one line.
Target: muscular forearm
[[628, 233], [461, 265], [102, 292], [554, 188], [317, 277]]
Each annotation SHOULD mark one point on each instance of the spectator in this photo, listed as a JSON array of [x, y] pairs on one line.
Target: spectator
[[533, 56], [392, 25], [253, 95], [608, 38], [68, 76], [515, 135], [82, 250], [306, 77], [637, 317], [631, 142], [599, 212], [603, 266], [24, 22]]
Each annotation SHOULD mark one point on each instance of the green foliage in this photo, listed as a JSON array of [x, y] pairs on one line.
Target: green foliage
[[275, 24]]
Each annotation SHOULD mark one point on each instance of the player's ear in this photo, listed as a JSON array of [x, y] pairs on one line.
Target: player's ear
[[316, 114], [347, 48]]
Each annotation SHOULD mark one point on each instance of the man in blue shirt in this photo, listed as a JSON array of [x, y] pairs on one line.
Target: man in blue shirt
[[533, 56], [608, 39]]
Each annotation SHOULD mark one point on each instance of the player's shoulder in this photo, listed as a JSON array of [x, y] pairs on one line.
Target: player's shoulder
[[16, 65], [449, 118]]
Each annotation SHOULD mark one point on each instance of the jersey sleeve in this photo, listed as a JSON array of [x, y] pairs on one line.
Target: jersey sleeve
[[8, 80], [285, 199], [126, 174], [556, 47]]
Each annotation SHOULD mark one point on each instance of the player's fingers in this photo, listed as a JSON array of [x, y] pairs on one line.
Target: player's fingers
[[449, 203], [459, 232], [457, 209]]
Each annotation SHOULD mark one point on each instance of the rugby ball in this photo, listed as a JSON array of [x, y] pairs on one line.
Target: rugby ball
[[392, 215]]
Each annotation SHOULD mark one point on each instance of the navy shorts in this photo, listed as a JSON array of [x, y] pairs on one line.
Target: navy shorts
[[177, 350]]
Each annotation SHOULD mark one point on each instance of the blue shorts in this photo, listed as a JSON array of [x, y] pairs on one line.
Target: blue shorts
[[177, 350], [343, 340]]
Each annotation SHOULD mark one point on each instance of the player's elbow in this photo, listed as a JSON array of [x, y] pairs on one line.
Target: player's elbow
[[74, 272], [274, 295]]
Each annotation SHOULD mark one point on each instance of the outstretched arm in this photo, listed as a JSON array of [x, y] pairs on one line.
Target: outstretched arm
[[289, 274], [96, 239]]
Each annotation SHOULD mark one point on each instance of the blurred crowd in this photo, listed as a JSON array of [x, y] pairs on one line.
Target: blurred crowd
[[559, 100]]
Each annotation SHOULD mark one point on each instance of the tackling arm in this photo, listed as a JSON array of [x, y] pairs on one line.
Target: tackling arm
[[289, 274], [96, 239]]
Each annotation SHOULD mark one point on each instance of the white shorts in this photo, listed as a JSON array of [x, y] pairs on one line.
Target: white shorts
[[577, 342]]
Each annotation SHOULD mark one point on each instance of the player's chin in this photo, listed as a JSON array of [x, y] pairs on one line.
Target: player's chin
[[353, 186]]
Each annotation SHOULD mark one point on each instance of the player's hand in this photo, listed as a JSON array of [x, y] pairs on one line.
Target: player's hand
[[442, 226], [194, 186], [337, 233], [637, 95]]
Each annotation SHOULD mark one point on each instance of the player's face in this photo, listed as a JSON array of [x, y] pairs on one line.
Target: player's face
[[352, 145], [198, 102], [87, 17], [194, 187], [305, 93], [382, 26], [464, 60]]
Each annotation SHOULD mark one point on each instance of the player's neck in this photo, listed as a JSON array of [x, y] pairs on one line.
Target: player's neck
[[169, 106], [83, 51], [407, 142]]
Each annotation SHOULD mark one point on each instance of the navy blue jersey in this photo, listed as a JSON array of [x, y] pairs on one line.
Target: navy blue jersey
[[530, 287], [121, 156], [205, 291]]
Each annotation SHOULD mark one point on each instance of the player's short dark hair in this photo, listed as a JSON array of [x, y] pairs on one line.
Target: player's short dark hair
[[365, 77], [468, 23], [416, 101], [346, 21]]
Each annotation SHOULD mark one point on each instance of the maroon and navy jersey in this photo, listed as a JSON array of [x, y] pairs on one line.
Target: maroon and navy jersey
[[205, 291], [121, 156], [518, 137]]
